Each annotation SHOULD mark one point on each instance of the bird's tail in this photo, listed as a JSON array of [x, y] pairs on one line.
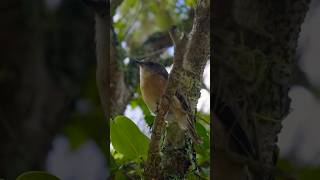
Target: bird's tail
[[192, 130]]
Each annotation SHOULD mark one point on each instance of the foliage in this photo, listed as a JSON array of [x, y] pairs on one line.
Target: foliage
[[127, 139], [130, 147], [136, 20], [86, 121], [36, 175]]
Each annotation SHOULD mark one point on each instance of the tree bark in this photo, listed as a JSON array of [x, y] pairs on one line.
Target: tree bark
[[28, 121], [255, 43], [38, 84], [113, 91]]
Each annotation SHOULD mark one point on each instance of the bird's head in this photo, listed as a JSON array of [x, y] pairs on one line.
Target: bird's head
[[148, 68]]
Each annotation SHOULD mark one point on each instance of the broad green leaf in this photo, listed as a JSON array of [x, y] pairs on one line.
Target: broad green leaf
[[203, 117], [127, 139], [204, 134], [36, 175], [203, 150], [201, 130]]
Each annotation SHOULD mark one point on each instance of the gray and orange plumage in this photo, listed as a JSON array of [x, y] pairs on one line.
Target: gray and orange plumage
[[153, 81]]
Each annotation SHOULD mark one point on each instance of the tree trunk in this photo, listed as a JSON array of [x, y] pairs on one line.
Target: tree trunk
[[254, 45], [35, 94], [28, 121]]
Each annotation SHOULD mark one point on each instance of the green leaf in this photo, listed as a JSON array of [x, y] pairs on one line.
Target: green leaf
[[36, 175], [127, 139], [127, 5], [204, 134], [203, 117], [149, 119], [139, 102], [201, 130], [203, 150]]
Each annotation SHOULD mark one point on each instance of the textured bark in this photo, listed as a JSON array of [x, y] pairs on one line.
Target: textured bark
[[119, 91], [255, 43], [38, 84], [113, 91], [102, 63]]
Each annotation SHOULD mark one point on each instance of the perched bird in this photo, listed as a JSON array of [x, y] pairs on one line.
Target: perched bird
[[153, 81]]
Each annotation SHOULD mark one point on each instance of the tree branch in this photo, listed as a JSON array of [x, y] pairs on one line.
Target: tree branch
[[154, 161], [114, 94], [119, 91], [102, 63], [153, 168]]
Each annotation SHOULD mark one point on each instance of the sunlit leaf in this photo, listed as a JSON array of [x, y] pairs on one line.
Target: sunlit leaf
[[127, 139]]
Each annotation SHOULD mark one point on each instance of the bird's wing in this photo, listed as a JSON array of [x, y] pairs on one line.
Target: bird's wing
[[183, 102], [190, 118]]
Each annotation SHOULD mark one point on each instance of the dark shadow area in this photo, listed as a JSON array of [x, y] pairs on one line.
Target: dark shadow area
[[266, 89], [50, 113]]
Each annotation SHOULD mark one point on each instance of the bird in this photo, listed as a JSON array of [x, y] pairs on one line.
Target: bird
[[153, 81]]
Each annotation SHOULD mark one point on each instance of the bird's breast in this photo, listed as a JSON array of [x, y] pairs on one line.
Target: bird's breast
[[152, 88]]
